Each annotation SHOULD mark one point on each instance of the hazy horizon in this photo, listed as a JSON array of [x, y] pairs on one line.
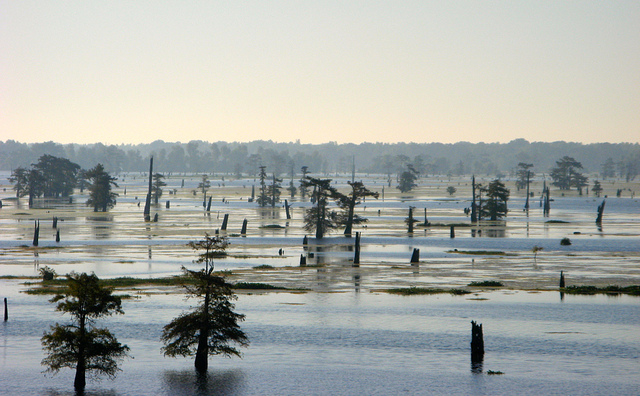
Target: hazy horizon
[[319, 71]]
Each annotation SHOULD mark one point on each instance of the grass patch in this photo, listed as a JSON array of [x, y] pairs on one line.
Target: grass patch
[[257, 286], [490, 283], [478, 252], [612, 289], [263, 267], [413, 290]]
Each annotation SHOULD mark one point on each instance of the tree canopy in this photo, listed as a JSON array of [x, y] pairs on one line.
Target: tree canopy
[[100, 195], [566, 174], [211, 328], [81, 345]]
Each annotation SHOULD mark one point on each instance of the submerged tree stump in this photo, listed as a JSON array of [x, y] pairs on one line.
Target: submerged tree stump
[[6, 310], [57, 235], [600, 212], [303, 260], [452, 232], [224, 222], [243, 232], [477, 346], [168, 204], [356, 255], [561, 279], [36, 233], [415, 256], [286, 207]]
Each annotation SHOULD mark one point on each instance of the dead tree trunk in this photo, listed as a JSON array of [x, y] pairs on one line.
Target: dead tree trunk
[[600, 212], [415, 256], [477, 346], [243, 232], [36, 233], [356, 256], [286, 208], [147, 203], [224, 222]]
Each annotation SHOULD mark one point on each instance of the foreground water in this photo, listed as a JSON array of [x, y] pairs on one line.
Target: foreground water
[[345, 337], [358, 343]]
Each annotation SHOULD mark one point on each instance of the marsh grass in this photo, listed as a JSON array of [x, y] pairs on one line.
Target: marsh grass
[[488, 283], [257, 286], [612, 289], [413, 290]]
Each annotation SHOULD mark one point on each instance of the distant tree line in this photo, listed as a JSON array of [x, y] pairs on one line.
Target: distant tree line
[[491, 159]]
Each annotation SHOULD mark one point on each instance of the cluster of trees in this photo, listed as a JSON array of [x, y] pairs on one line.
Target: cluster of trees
[[53, 177], [322, 219], [211, 328], [621, 160]]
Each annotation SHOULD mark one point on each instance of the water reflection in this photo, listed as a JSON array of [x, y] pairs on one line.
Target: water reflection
[[188, 382]]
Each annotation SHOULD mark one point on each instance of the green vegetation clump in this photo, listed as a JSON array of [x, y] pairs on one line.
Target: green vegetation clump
[[413, 290], [556, 222], [491, 372], [272, 226], [612, 289], [565, 241], [257, 286], [486, 284], [263, 267]]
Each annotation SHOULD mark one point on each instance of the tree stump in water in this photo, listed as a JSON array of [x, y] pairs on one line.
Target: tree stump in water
[[477, 347], [224, 222], [415, 256]]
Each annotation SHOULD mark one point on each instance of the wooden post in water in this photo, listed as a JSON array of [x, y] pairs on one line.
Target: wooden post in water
[[561, 279], [243, 232], [286, 207], [36, 233], [526, 204], [410, 221], [600, 212], [474, 214], [224, 222], [415, 256], [6, 310], [547, 204], [452, 232], [477, 347], [147, 202], [356, 255]]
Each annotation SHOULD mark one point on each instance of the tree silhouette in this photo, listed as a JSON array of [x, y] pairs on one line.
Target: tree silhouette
[[407, 179], [318, 218], [156, 188], [100, 195], [495, 204], [348, 203], [211, 327], [81, 345]]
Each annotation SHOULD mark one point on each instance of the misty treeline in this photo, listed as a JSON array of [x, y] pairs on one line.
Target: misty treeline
[[492, 159]]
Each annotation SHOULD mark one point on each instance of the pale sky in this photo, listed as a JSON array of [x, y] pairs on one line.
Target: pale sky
[[133, 71]]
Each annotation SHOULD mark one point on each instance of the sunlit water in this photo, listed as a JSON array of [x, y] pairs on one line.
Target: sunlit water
[[357, 341], [364, 343]]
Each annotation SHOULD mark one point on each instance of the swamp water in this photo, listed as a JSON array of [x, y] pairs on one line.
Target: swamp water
[[344, 336]]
